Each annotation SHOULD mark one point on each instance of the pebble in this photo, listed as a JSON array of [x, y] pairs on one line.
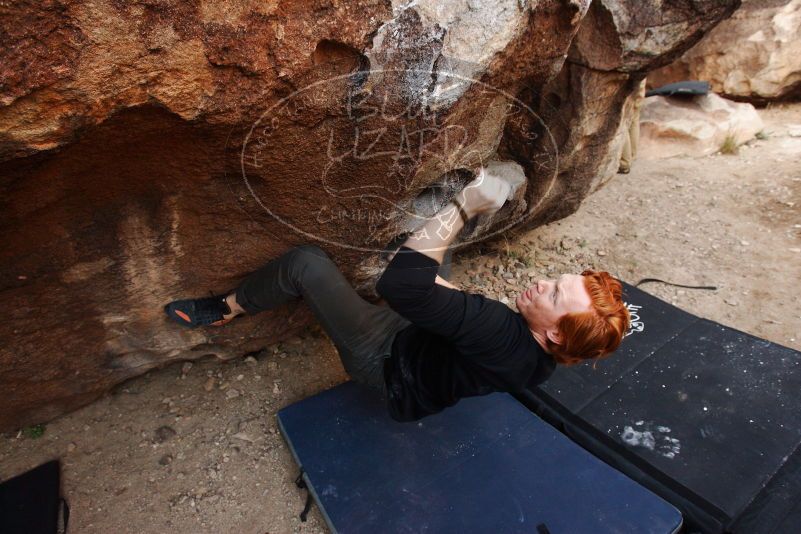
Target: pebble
[[71, 447], [166, 459], [239, 378], [163, 433], [602, 253], [186, 367], [231, 393], [250, 360], [209, 385]]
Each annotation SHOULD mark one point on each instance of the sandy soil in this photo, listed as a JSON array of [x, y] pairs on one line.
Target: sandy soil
[[195, 447]]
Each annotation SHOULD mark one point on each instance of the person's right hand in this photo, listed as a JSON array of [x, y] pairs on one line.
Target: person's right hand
[[485, 194]]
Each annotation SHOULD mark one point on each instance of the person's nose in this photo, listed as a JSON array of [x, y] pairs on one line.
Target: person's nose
[[543, 285]]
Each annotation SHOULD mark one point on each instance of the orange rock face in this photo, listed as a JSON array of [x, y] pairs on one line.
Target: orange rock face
[[153, 151]]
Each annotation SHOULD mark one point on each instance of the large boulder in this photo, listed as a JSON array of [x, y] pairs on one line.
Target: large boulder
[[160, 150], [694, 126], [755, 55], [588, 108]]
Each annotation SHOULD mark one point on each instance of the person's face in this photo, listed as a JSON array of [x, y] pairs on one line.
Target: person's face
[[545, 302]]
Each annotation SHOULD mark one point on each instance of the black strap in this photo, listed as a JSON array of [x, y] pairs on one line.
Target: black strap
[[542, 529], [306, 508], [299, 482], [647, 280], [65, 514]]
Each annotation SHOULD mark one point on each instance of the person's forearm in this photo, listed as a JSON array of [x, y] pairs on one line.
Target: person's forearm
[[434, 237]]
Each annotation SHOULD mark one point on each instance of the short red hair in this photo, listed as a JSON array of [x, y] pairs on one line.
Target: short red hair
[[594, 334]]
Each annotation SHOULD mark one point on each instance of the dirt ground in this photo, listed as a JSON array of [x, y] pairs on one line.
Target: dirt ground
[[195, 447]]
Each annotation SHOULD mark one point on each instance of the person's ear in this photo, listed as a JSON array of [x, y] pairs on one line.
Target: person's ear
[[554, 336]]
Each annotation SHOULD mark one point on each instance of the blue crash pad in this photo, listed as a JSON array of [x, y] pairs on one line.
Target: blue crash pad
[[487, 464]]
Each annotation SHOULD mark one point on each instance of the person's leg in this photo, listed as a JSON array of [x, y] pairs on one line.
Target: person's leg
[[624, 167], [361, 331]]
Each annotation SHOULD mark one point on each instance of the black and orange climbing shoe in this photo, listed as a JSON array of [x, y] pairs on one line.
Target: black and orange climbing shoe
[[199, 312]]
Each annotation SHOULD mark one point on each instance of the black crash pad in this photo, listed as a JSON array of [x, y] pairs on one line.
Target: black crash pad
[[681, 89], [706, 416]]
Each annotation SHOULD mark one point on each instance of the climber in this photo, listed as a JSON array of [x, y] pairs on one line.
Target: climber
[[434, 344]]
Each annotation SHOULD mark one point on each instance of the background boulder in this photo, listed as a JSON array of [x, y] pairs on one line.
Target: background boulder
[[755, 55], [154, 151], [696, 126]]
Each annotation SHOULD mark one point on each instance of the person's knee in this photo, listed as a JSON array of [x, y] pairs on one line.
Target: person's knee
[[312, 260]]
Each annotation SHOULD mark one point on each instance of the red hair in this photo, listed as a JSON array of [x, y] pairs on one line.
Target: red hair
[[597, 333]]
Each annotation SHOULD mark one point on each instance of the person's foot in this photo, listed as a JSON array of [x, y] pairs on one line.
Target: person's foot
[[213, 311]]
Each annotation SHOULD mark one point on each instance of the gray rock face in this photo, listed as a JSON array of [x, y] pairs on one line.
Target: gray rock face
[[162, 151]]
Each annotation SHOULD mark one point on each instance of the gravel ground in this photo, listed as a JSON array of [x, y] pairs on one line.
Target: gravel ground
[[194, 447]]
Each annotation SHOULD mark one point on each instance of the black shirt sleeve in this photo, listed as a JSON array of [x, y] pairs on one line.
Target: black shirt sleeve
[[475, 325]]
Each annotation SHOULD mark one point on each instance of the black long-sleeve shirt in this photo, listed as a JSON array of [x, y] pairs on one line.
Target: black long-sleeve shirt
[[458, 345]]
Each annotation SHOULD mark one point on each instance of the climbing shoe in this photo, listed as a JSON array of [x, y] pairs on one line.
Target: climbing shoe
[[199, 312]]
